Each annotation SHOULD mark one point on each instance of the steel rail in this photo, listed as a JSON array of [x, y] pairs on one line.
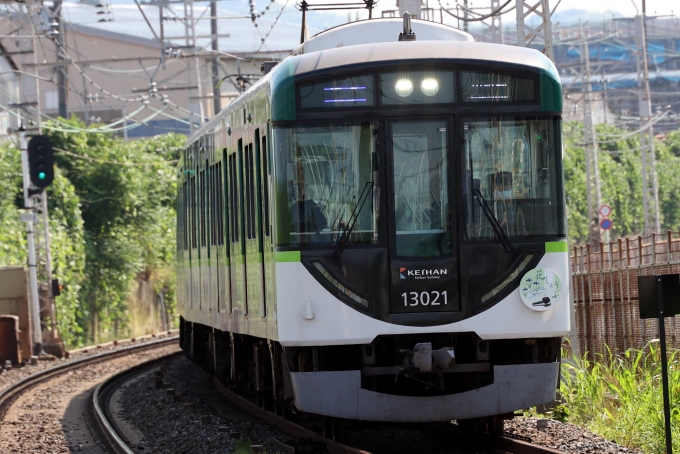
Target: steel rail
[[99, 404], [489, 441], [291, 428], [12, 392]]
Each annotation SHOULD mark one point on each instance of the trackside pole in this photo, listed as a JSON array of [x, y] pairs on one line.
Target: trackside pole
[[32, 265], [659, 297], [664, 365]]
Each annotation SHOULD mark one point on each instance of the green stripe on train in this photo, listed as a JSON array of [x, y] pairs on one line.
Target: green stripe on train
[[551, 89], [288, 256], [556, 246]]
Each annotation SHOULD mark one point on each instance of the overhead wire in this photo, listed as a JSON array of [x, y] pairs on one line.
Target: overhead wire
[[497, 11]]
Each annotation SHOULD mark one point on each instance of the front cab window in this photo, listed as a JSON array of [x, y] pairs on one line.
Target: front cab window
[[328, 183]]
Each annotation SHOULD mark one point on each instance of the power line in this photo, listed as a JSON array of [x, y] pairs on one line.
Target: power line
[[481, 18]]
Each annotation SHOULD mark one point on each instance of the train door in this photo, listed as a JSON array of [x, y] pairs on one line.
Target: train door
[[238, 251], [193, 232], [203, 234], [423, 251], [221, 253], [243, 275], [267, 251], [257, 177], [234, 233]]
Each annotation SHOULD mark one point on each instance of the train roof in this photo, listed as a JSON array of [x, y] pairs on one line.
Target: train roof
[[421, 50], [373, 31]]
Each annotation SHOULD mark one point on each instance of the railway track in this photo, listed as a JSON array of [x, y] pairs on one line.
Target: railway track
[[101, 408], [114, 440], [45, 389]]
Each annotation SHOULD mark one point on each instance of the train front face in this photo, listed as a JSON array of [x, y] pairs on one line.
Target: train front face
[[422, 264]]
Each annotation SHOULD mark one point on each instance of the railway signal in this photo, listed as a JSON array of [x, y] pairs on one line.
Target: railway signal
[[57, 288], [41, 161]]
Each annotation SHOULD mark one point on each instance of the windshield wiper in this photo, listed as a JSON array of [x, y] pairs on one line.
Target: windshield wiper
[[495, 225], [351, 222]]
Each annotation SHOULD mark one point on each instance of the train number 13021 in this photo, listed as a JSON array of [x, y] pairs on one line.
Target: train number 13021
[[433, 298]]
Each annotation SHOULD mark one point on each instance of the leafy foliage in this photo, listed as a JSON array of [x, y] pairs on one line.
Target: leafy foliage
[[112, 222], [620, 180]]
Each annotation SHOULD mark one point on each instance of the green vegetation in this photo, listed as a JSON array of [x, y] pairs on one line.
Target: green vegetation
[[619, 165], [112, 225], [620, 399]]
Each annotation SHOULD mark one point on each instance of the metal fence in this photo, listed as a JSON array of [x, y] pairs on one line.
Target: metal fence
[[604, 281]]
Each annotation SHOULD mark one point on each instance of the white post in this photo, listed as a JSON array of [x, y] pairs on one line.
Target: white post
[[32, 266]]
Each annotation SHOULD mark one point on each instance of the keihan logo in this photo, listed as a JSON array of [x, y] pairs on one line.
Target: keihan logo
[[405, 273]]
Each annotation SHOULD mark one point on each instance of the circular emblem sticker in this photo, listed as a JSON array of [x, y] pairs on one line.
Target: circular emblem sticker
[[541, 289]]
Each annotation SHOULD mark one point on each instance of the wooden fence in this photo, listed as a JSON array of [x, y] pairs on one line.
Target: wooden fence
[[604, 283]]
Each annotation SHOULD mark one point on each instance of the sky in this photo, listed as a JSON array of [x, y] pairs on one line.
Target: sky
[[589, 9], [625, 7]]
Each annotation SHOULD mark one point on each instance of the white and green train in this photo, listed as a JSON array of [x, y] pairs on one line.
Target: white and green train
[[376, 229]]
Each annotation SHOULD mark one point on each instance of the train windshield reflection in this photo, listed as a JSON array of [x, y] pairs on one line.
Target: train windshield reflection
[[512, 166], [329, 181]]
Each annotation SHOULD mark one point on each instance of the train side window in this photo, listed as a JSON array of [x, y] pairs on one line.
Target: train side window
[[185, 216], [216, 192], [192, 189], [265, 186], [241, 198], [224, 182], [178, 220], [212, 206], [250, 191], [233, 204], [204, 206]]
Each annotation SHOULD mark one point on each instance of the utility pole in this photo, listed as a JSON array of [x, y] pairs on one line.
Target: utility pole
[[496, 24], [195, 94], [465, 15], [527, 34], [593, 191], [217, 101], [61, 62], [650, 190]]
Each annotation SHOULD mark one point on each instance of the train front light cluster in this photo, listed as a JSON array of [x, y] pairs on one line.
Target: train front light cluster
[[429, 87]]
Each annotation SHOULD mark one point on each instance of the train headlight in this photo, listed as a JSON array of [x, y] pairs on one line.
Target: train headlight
[[429, 86], [403, 87]]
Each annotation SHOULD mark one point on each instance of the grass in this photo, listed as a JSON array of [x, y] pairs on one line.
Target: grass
[[620, 397]]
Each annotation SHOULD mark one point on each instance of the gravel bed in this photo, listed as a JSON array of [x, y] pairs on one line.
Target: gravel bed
[[51, 418], [193, 419], [19, 372], [564, 437]]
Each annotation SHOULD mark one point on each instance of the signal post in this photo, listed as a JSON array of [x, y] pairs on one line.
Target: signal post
[[37, 164], [29, 217]]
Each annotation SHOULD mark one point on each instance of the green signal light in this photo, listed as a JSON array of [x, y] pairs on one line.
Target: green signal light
[[41, 175]]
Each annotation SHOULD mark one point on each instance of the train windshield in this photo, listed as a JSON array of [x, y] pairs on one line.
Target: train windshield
[[513, 178], [330, 182]]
